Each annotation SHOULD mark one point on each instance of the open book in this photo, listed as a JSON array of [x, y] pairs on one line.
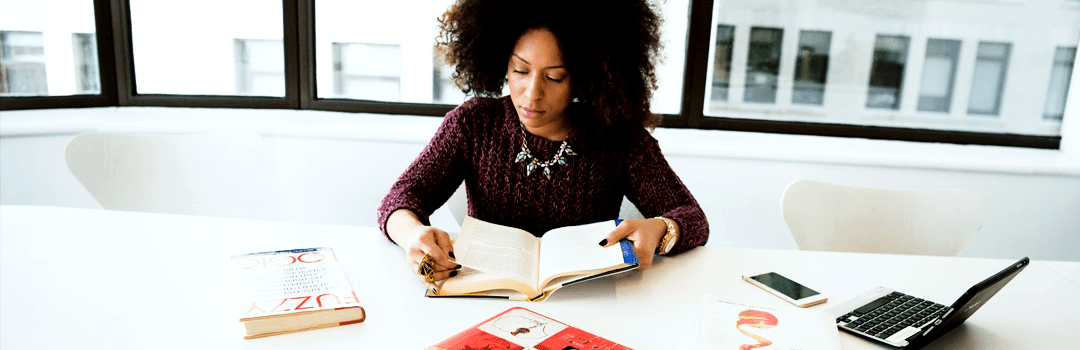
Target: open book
[[506, 262]]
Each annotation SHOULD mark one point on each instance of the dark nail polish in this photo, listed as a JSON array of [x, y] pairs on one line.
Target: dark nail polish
[[453, 273], [603, 242], [458, 267], [452, 255]]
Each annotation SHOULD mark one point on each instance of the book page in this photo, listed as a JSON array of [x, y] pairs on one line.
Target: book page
[[497, 249], [576, 248]]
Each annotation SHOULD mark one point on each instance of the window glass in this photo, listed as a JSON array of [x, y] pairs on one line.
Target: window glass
[[367, 71], [208, 47], [23, 64], [384, 51], [670, 72], [444, 90], [954, 65], [988, 81], [1064, 59], [259, 69], [379, 51], [47, 48], [939, 71]]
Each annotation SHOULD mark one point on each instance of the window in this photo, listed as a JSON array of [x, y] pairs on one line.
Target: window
[[811, 67], [377, 50], [87, 76], [258, 69], [367, 71], [878, 69], [763, 64], [989, 78], [887, 73], [208, 47], [1064, 59], [939, 73], [22, 64], [801, 67]]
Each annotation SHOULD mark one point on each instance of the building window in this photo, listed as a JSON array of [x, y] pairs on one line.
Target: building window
[[22, 64], [260, 70], [444, 90], [988, 82], [87, 77], [887, 72], [763, 64], [939, 73], [367, 71], [811, 68], [1060, 74], [721, 77]]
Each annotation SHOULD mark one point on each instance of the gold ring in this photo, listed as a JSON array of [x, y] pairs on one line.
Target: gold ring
[[426, 268]]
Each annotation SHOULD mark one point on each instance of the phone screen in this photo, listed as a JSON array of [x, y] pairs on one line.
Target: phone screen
[[783, 285]]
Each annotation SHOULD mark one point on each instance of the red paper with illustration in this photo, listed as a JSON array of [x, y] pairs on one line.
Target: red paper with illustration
[[520, 328]]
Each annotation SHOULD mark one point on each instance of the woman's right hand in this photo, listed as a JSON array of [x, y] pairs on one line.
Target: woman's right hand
[[436, 244]]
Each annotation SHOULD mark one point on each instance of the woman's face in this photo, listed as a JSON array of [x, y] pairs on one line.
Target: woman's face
[[539, 83]]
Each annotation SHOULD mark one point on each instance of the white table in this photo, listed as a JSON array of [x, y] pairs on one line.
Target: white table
[[88, 279]]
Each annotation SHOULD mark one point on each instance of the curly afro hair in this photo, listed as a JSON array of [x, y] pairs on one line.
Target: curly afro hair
[[610, 48]]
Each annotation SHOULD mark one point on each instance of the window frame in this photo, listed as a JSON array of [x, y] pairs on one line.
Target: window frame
[[118, 88]]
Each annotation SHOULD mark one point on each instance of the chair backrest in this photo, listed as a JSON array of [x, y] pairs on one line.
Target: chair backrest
[[196, 174], [832, 217]]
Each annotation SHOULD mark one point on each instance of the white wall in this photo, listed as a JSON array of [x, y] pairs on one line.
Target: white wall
[[327, 167]]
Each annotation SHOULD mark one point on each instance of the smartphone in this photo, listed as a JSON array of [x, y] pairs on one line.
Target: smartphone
[[786, 289]]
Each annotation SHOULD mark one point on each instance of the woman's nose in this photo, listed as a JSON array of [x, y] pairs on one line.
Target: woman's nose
[[534, 89]]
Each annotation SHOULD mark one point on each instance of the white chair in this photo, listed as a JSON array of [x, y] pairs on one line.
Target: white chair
[[195, 174], [831, 217]]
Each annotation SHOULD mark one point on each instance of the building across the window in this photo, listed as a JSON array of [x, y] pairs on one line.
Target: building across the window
[[938, 65], [87, 75], [260, 71], [22, 64], [367, 71]]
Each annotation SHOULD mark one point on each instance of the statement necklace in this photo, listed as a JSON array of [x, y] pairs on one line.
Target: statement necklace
[[531, 163]]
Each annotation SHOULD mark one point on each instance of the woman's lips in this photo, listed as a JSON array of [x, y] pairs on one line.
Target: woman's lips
[[530, 113]]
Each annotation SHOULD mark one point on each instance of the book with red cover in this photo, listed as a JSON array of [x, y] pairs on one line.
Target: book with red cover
[[519, 328]]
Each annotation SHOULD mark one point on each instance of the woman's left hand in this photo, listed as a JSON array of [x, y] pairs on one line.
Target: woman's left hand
[[646, 235]]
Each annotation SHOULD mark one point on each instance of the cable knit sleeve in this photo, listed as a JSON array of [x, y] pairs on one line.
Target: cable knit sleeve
[[657, 191], [436, 173]]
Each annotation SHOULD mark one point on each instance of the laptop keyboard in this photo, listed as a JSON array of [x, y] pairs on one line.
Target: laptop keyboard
[[893, 317]]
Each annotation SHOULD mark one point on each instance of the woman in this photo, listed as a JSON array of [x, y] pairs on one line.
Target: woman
[[563, 148]]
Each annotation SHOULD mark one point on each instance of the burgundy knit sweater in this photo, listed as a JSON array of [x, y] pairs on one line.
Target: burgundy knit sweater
[[477, 143]]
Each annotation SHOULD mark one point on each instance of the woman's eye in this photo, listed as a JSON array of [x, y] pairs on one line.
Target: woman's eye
[[558, 80], [519, 72]]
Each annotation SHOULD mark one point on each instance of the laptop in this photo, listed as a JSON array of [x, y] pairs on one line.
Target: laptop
[[904, 321]]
